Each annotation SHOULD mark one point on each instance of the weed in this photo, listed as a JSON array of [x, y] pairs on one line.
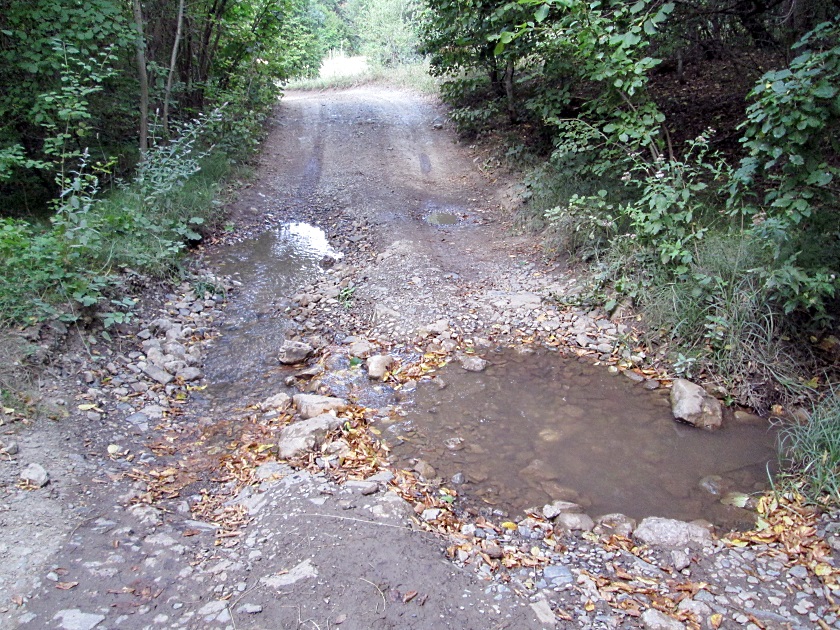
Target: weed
[[345, 296], [812, 450]]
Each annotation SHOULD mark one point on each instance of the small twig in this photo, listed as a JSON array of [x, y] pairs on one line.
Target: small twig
[[361, 520], [384, 603]]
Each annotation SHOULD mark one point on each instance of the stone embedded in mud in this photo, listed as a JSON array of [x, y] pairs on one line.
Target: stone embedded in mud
[[555, 509], [304, 570], [619, 524], [278, 402], [692, 404], [472, 363], [311, 405], [667, 532], [292, 352], [378, 366], [75, 619], [306, 434], [35, 474]]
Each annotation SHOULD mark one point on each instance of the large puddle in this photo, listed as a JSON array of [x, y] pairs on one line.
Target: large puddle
[[271, 269], [540, 427]]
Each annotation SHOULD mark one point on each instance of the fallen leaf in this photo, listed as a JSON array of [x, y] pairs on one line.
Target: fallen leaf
[[66, 586], [589, 606], [715, 620], [409, 596], [191, 532]]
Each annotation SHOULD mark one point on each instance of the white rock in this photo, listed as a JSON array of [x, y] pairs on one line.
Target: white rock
[[692, 404], [304, 570], [311, 405], [292, 352], [553, 510], [574, 522], [35, 474], [620, 524], [472, 363], [542, 609], [75, 619], [306, 434], [655, 620], [378, 366], [279, 402], [668, 532]]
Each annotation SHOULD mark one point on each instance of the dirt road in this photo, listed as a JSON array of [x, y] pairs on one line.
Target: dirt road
[[167, 506]]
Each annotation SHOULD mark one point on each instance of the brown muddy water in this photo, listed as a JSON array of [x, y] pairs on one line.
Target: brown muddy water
[[271, 269], [540, 427]]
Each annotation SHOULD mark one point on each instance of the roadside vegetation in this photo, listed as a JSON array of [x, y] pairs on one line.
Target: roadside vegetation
[[687, 154]]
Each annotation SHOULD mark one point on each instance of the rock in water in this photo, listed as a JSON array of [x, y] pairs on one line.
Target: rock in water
[[292, 352], [692, 404], [378, 366], [472, 363]]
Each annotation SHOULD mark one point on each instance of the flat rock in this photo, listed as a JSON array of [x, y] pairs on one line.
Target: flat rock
[[306, 434], [249, 609], [35, 474], [378, 366], [189, 374], [652, 619], [75, 619], [542, 609], [692, 404], [278, 402], [668, 532], [472, 363], [157, 374], [311, 405], [292, 352], [303, 571]]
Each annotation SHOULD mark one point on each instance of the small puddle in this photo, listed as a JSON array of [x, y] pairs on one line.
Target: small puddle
[[535, 428], [441, 218], [271, 267]]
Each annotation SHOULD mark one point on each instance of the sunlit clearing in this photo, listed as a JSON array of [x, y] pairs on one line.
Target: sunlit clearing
[[338, 65]]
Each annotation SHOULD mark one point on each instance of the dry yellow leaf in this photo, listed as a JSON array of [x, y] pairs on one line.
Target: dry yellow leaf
[[715, 620]]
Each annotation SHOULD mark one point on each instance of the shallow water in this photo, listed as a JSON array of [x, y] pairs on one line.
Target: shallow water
[[534, 428], [271, 267]]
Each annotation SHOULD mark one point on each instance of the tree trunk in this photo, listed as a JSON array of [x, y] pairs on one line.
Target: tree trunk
[[511, 104], [172, 62], [144, 78]]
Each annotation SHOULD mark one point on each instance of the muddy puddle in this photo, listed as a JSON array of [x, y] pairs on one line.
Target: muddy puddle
[[540, 427], [271, 269]]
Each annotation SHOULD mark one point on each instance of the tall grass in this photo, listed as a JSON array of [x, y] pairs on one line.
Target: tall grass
[[812, 450]]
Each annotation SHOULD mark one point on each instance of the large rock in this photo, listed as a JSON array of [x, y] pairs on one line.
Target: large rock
[[573, 522], [617, 523], [278, 402], [666, 532], [556, 508], [361, 349], [35, 475], [311, 405], [692, 404], [292, 352], [306, 434], [378, 366]]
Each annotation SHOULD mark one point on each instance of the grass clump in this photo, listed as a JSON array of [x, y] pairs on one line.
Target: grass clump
[[812, 450]]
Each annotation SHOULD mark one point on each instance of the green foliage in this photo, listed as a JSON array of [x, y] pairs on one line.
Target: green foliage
[[812, 450], [387, 30], [790, 180]]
